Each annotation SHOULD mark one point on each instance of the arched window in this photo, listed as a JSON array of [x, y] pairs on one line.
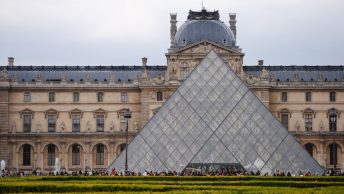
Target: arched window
[[27, 97], [124, 97], [76, 154], [333, 154], [26, 155], [51, 96], [309, 148], [159, 96], [100, 154], [100, 96], [76, 97], [51, 154], [183, 71]]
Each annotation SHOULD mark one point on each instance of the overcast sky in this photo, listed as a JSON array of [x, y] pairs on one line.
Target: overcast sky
[[120, 32]]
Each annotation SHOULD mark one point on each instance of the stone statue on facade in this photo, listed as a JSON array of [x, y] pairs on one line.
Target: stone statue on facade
[[4, 75], [264, 74], [14, 127], [63, 126], [88, 126], [136, 124], [112, 126], [39, 127], [321, 125], [297, 126]]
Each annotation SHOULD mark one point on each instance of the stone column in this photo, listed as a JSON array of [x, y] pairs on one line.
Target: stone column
[[321, 153]]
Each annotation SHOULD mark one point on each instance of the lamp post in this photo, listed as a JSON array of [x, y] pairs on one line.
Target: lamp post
[[127, 116]]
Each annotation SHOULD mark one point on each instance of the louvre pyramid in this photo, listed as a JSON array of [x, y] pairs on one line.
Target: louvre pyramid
[[214, 118]]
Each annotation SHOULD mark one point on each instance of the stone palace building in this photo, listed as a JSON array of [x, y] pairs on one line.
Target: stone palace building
[[76, 113]]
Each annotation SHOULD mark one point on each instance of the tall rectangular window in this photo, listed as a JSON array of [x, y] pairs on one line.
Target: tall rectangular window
[[100, 96], [332, 96], [184, 71], [285, 120], [123, 123], [76, 123], [284, 97], [27, 123], [100, 123], [333, 122], [308, 96], [51, 123], [27, 97], [124, 97], [308, 122], [159, 96], [51, 96], [76, 97]]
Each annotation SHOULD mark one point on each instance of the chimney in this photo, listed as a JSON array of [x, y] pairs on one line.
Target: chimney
[[173, 28], [144, 61], [232, 23], [260, 62], [10, 61]]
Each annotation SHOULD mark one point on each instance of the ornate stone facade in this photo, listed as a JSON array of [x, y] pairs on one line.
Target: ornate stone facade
[[79, 109]]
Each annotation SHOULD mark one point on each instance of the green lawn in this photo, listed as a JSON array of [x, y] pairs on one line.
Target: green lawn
[[247, 184]]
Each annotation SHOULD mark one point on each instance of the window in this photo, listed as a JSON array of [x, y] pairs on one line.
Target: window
[[308, 122], [123, 123], [27, 97], [76, 97], [100, 96], [333, 122], [26, 155], [100, 154], [284, 97], [51, 123], [100, 123], [183, 71], [76, 154], [285, 120], [333, 154], [124, 97], [27, 123], [308, 96], [51, 96], [51, 155], [332, 96], [309, 148], [159, 96], [76, 123]]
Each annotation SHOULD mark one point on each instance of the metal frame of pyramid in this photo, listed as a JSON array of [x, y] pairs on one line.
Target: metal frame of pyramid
[[213, 117]]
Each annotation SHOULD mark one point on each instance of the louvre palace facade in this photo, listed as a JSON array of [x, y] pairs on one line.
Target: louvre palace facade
[[76, 113]]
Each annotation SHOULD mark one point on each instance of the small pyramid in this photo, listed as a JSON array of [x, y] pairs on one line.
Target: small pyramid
[[214, 118]]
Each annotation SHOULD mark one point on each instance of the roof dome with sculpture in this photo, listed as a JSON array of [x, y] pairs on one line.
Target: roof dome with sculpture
[[204, 25]]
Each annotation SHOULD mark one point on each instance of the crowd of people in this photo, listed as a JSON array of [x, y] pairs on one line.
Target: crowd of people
[[186, 172]]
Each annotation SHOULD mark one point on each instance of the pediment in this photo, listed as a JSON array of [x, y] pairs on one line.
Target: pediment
[[203, 47], [51, 112], [75, 111], [99, 111], [26, 111]]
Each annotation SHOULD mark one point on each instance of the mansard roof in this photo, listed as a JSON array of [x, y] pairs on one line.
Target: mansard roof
[[299, 73], [125, 73], [82, 73]]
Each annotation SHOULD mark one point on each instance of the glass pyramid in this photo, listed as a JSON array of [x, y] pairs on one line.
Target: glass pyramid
[[214, 118]]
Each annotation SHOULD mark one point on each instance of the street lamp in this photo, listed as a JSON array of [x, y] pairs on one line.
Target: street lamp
[[127, 116]]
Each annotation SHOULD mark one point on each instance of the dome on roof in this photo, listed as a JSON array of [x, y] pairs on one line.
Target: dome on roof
[[193, 31]]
